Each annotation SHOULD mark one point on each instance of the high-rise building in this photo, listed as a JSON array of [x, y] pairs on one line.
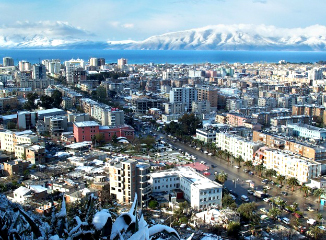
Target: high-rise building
[[39, 71], [122, 62], [71, 66], [206, 93], [96, 62], [128, 177], [52, 66], [24, 66], [8, 61], [185, 95]]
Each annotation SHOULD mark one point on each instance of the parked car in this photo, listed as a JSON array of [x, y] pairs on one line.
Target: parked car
[[311, 221], [251, 192], [236, 166], [284, 193], [265, 181], [246, 170], [266, 200], [279, 185], [263, 210], [251, 173], [286, 220]]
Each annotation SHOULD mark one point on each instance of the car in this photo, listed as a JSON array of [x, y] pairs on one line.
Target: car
[[265, 181], [266, 200], [272, 182], [311, 221], [251, 192], [284, 193], [236, 166], [286, 220], [210, 154], [263, 210], [310, 209], [213, 166], [322, 228], [267, 187], [279, 185], [251, 173], [297, 215], [246, 170]]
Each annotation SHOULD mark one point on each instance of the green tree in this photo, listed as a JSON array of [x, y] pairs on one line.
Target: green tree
[[316, 232], [11, 125], [30, 104], [305, 189], [152, 204], [260, 168], [221, 177], [319, 192], [248, 164], [239, 160], [57, 98], [269, 173], [46, 102], [248, 212], [227, 156], [233, 229], [280, 179], [227, 201], [274, 213], [115, 139], [293, 182], [101, 95]]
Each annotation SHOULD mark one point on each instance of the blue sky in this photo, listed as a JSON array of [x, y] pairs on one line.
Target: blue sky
[[139, 19]]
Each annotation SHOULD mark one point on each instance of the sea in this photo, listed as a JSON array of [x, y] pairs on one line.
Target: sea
[[165, 56]]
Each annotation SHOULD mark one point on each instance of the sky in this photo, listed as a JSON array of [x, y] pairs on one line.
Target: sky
[[113, 20]]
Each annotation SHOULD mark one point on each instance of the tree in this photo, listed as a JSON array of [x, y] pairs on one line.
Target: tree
[[30, 104], [269, 173], [101, 93], [221, 177], [248, 164], [293, 182], [11, 125], [152, 204], [319, 192], [305, 189], [46, 102], [227, 201], [274, 213], [316, 232], [280, 179], [233, 229], [115, 139], [239, 160], [57, 98], [260, 168], [248, 212], [227, 155]]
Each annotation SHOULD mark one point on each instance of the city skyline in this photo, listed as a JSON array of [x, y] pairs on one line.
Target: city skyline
[[138, 20]]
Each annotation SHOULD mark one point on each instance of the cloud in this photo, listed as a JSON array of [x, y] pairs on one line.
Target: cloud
[[128, 25], [117, 24], [49, 29]]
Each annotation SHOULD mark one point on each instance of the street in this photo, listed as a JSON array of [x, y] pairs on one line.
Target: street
[[237, 183]]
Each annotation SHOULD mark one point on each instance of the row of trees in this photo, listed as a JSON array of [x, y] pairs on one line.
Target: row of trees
[[45, 101]]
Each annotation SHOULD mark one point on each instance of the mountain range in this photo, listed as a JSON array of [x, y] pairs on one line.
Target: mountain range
[[217, 37]]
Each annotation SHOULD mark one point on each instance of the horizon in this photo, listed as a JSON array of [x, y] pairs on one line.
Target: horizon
[[109, 20]]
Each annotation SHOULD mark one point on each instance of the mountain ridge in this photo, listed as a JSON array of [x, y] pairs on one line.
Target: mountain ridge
[[216, 37]]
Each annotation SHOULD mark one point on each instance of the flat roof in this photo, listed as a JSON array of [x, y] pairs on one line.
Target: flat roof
[[86, 124]]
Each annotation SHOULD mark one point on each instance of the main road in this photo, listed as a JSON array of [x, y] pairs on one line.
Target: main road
[[237, 181]]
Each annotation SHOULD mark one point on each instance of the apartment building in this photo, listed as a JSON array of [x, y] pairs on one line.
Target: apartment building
[[199, 191], [185, 95], [84, 131], [237, 146], [305, 149], [206, 135], [207, 93], [15, 167], [10, 139], [308, 131], [128, 177], [288, 164]]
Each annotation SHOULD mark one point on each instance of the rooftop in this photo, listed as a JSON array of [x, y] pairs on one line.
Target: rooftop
[[86, 124]]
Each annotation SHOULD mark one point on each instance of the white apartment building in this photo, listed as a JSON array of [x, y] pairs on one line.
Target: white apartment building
[[206, 135], [199, 191], [236, 145], [71, 65], [308, 131], [185, 95], [10, 139], [292, 165]]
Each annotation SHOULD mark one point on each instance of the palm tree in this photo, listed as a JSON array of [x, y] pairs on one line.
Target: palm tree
[[269, 173], [280, 179], [316, 232], [319, 192], [274, 212], [239, 160], [248, 164], [221, 177], [227, 155], [292, 181], [260, 168], [219, 154], [305, 189]]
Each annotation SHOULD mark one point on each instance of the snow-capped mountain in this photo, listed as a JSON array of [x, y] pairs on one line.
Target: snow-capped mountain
[[218, 37], [238, 37]]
